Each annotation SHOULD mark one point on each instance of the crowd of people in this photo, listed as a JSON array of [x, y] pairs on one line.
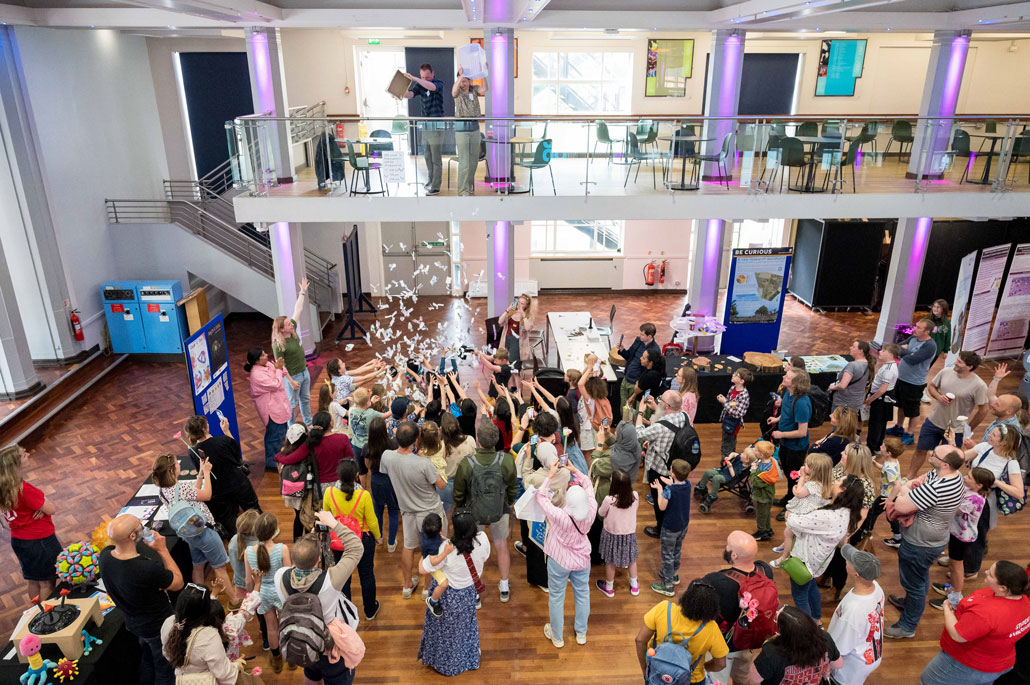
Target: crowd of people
[[399, 450]]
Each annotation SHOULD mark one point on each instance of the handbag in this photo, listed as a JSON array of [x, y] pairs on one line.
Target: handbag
[[1007, 504], [205, 678], [527, 508], [480, 588], [798, 570]]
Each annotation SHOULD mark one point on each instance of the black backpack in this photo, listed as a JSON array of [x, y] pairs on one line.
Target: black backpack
[[820, 406], [685, 443]]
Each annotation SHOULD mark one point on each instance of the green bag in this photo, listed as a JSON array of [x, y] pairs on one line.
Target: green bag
[[797, 570]]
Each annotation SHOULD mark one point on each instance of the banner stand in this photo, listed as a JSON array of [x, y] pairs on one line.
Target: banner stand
[[754, 299]]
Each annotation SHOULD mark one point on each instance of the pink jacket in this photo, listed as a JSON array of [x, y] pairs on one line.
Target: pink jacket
[[619, 521], [269, 393], [567, 541]]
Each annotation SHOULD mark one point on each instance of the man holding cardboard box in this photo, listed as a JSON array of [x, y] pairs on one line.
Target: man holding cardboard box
[[430, 90]]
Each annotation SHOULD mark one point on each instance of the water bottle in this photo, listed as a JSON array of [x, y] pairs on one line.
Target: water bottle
[[953, 597]]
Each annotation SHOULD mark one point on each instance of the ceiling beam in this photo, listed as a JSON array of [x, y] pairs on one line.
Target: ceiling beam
[[233, 11], [999, 14], [19, 16]]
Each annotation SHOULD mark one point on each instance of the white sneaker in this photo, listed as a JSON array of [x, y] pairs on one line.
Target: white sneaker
[[390, 548], [944, 561], [550, 636], [581, 638], [425, 593], [407, 592]]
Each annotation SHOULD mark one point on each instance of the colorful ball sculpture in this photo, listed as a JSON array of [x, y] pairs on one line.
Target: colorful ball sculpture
[[66, 670], [78, 563]]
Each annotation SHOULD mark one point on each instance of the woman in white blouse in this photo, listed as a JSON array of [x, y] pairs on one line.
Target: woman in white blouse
[[191, 642], [816, 535]]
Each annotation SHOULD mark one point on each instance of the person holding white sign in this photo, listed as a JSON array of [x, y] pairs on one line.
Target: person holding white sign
[[466, 131]]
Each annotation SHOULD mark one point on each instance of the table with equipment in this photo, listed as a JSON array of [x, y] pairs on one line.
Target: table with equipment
[[714, 372], [574, 337]]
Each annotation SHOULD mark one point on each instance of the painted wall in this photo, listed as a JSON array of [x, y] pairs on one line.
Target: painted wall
[[320, 65], [166, 90], [99, 138]]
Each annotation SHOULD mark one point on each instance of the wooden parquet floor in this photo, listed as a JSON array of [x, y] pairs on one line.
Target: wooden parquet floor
[[91, 460]]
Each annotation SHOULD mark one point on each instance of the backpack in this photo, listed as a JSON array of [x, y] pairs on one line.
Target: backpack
[[671, 663], [295, 477], [348, 520], [759, 591], [820, 406], [347, 644], [486, 490], [685, 443], [186, 519], [1023, 453], [304, 637]]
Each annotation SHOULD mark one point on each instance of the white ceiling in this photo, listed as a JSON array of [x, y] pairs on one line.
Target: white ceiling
[[672, 15]]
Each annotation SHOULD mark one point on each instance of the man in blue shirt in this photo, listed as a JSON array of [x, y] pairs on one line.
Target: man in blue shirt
[[644, 341], [792, 426], [917, 354], [430, 90]]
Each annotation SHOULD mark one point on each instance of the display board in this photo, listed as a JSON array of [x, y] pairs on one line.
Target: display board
[[210, 382], [960, 306], [986, 287], [754, 299], [840, 63], [669, 65], [1013, 319]]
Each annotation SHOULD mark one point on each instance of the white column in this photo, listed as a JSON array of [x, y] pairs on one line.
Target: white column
[[17, 375], [287, 243], [500, 261], [33, 257], [906, 269], [268, 89], [500, 101], [706, 266], [726, 59], [940, 96]]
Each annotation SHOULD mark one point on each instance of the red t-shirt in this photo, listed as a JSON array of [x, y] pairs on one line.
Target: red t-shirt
[[23, 526], [991, 626]]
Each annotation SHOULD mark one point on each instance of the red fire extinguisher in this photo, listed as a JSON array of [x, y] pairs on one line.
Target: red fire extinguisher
[[649, 273], [77, 325], [661, 271]]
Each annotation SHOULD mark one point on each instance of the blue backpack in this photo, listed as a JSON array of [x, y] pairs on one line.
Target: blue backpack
[[671, 662], [186, 520]]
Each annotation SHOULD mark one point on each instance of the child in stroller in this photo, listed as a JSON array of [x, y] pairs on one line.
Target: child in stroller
[[731, 477]]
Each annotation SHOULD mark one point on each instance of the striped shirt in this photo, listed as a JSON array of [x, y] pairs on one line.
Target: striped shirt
[[566, 540], [659, 439], [938, 499], [432, 100]]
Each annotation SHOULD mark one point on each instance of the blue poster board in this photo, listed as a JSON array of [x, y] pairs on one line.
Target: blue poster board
[[207, 359], [754, 299], [840, 63]]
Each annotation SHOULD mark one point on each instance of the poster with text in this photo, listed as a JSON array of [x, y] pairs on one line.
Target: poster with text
[[757, 285], [960, 305], [200, 363], [986, 287], [1013, 318]]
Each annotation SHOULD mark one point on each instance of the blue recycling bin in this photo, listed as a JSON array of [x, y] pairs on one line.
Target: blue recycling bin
[[121, 308], [164, 322]]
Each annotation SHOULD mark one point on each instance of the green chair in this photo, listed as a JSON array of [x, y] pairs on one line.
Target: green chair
[[808, 129], [1021, 152], [901, 133], [637, 156], [541, 159], [792, 156], [722, 159], [990, 126], [603, 138], [847, 159], [960, 148], [643, 126], [362, 166], [866, 135]]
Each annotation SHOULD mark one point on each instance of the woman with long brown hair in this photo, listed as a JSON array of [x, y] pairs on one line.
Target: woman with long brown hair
[[26, 511], [191, 639], [286, 344]]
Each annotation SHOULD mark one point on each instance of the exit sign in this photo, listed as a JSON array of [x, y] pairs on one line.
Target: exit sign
[[373, 41], [434, 243]]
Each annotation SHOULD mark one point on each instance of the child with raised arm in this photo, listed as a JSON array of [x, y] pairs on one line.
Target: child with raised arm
[[674, 500], [497, 365]]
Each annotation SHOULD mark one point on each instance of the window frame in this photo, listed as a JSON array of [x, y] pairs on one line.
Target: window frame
[[551, 235], [597, 84]]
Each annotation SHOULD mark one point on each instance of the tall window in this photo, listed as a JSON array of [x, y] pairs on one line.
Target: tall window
[[582, 82], [576, 238]]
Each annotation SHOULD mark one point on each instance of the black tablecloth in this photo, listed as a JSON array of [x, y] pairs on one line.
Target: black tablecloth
[[116, 660], [713, 383]]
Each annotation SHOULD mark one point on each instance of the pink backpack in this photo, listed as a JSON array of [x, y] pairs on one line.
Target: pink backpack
[[347, 644]]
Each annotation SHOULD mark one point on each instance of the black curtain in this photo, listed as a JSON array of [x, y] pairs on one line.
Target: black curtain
[[217, 87], [766, 83]]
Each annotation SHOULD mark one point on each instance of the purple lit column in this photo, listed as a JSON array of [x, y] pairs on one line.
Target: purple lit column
[[706, 266], [500, 102], [940, 96], [724, 65], [906, 269], [287, 243], [500, 267], [268, 90]]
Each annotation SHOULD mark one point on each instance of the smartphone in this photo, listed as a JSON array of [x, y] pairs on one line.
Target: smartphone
[[534, 439], [531, 412], [515, 303], [646, 396], [563, 460], [621, 338], [604, 422], [221, 416]]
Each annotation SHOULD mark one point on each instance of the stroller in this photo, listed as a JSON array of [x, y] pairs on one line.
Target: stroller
[[739, 484]]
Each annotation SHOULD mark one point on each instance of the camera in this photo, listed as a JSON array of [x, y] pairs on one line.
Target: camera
[[319, 528]]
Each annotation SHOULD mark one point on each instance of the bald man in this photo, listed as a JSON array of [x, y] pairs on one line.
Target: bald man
[[1003, 409], [740, 552], [137, 585]]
